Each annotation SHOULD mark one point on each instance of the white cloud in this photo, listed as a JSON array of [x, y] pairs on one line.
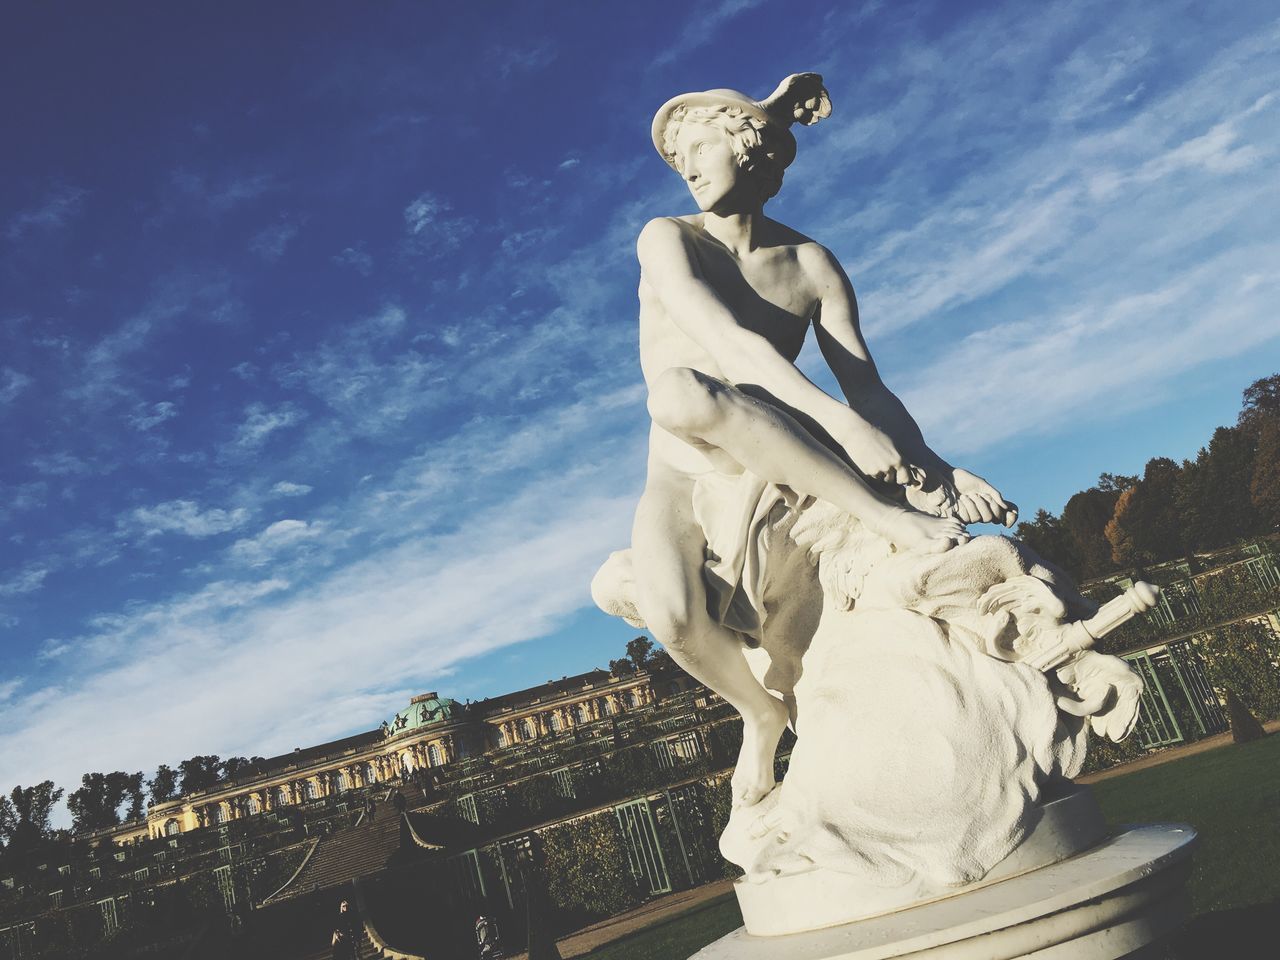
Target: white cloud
[[148, 416], [260, 422], [271, 242], [279, 536], [432, 231], [186, 517], [29, 580], [702, 26], [356, 258], [286, 488], [54, 211], [12, 383]]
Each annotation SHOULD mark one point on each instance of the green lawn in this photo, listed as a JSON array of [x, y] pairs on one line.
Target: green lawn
[[1231, 796]]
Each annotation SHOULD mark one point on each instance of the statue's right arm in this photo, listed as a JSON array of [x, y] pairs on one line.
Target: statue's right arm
[[671, 269]]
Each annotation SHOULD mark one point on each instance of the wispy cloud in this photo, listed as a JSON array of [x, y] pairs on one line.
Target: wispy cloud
[[56, 210], [187, 518], [276, 538], [286, 488], [356, 258], [271, 242], [152, 415], [702, 26], [28, 580], [431, 228], [221, 194], [12, 383], [260, 422]]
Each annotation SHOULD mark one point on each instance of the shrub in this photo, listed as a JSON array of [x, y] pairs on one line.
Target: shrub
[[1242, 657], [588, 858]]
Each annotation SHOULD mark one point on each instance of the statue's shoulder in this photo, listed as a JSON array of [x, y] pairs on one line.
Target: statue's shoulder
[[662, 234]]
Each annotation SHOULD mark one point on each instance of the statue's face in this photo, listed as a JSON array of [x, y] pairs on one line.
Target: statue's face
[[706, 161]]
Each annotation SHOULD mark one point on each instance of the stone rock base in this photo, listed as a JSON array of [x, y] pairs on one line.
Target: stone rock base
[[1111, 901]]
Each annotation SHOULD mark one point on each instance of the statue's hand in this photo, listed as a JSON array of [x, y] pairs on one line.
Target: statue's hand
[[979, 502], [876, 456]]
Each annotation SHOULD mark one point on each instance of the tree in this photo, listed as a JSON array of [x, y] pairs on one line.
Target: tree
[[1116, 483], [24, 815], [1146, 526], [1215, 495], [621, 667], [200, 772], [1264, 485], [1046, 535], [164, 784], [639, 650], [97, 803], [1261, 403], [137, 799], [1084, 522], [233, 765]]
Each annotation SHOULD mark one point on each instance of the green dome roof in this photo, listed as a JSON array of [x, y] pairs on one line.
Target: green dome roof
[[426, 710]]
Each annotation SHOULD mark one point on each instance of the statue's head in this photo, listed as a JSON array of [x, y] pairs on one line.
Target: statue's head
[[727, 145]]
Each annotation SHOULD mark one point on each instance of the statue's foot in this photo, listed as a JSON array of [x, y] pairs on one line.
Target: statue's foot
[[753, 776], [916, 531]]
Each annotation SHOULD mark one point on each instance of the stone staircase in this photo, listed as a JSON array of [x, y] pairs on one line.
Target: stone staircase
[[354, 852]]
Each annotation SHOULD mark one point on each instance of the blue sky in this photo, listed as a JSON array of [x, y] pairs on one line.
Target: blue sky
[[317, 321]]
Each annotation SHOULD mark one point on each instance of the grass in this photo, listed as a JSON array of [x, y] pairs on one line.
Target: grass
[[677, 937], [1230, 795]]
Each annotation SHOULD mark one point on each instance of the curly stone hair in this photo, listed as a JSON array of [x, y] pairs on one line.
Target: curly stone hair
[[749, 138]]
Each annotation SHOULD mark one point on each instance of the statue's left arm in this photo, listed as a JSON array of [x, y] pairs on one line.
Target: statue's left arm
[[840, 339]]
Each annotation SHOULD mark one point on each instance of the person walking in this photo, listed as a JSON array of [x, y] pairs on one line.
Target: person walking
[[398, 801], [370, 808]]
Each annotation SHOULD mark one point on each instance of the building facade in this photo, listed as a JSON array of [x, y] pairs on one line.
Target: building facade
[[430, 732]]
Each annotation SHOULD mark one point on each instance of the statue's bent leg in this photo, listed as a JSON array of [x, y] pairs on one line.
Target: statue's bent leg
[[730, 426], [667, 553]]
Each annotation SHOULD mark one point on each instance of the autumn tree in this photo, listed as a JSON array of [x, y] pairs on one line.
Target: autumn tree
[[1146, 526], [1084, 523]]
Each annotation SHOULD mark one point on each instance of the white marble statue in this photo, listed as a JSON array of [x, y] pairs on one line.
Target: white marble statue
[[807, 558]]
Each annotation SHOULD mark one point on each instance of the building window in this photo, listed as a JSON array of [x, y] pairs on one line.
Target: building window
[[253, 805], [434, 757], [220, 814], [526, 729], [609, 707], [343, 781], [309, 790], [556, 725], [633, 696], [580, 713], [171, 827]]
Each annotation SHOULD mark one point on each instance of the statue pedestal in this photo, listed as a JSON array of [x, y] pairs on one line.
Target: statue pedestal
[[1105, 903]]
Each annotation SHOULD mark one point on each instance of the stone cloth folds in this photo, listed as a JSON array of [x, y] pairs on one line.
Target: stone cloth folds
[[736, 514]]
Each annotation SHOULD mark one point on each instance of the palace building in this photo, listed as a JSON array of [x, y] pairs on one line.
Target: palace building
[[431, 732]]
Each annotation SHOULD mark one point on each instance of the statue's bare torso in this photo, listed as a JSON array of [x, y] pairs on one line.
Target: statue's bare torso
[[769, 293]]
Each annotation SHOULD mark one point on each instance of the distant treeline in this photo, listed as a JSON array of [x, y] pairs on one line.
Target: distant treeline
[[1228, 493]]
